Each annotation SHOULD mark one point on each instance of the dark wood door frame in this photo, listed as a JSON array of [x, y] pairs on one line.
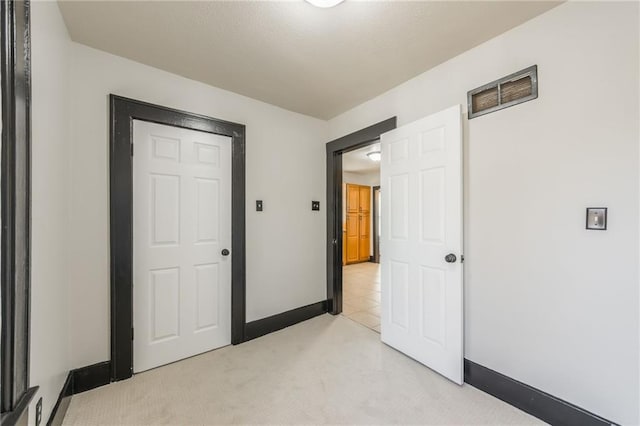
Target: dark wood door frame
[[335, 149], [374, 212], [123, 111], [15, 234]]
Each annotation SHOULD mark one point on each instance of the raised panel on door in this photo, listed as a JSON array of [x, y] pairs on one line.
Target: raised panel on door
[[397, 296], [353, 198], [365, 235], [182, 221], [353, 238], [365, 199], [207, 296], [164, 211], [164, 297]]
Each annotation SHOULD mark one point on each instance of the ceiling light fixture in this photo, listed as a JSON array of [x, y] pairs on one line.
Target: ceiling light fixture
[[374, 155], [325, 3]]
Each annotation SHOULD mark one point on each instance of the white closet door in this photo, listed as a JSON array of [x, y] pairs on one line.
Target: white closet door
[[182, 223]]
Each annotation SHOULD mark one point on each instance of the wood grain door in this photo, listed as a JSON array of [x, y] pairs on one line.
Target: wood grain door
[[358, 226], [353, 238], [364, 196], [352, 234], [353, 198], [364, 240]]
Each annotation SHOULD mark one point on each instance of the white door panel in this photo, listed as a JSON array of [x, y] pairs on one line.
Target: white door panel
[[182, 222], [422, 306]]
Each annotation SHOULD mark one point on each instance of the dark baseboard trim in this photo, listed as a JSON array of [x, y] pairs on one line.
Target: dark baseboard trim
[[539, 404], [277, 322], [17, 416], [371, 259], [79, 380], [91, 377]]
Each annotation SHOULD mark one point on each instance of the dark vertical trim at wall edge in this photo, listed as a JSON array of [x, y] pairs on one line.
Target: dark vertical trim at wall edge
[[79, 380], [15, 211], [261, 327], [533, 401]]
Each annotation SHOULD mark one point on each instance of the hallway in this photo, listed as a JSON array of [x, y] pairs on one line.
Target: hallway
[[361, 294]]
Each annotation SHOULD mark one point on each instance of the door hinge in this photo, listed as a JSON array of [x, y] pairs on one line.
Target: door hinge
[[131, 333], [132, 150]]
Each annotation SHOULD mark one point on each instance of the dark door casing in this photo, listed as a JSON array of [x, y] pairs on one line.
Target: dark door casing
[[123, 112], [335, 149]]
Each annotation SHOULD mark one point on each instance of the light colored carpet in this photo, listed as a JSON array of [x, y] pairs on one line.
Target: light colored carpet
[[328, 370]]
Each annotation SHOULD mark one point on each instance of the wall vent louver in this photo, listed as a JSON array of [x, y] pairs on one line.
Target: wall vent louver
[[511, 90]]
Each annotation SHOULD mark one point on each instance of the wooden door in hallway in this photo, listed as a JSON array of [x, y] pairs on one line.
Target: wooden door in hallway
[[358, 223]]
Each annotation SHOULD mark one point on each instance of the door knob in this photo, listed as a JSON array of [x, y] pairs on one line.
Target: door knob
[[450, 258], [225, 252]]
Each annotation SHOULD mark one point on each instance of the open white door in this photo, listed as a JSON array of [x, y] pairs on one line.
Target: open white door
[[422, 307], [182, 231]]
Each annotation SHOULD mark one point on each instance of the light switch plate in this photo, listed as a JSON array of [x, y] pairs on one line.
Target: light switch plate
[[597, 218]]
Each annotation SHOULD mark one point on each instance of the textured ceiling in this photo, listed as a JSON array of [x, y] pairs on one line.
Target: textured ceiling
[[319, 62]]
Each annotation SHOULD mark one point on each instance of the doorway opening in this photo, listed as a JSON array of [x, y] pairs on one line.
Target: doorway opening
[[421, 276], [360, 272], [336, 149]]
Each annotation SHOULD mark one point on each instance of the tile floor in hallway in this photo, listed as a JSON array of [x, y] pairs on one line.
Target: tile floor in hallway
[[361, 294], [327, 370]]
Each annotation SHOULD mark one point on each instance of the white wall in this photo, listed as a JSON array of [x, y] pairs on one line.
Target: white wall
[[547, 302], [49, 359], [285, 168]]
